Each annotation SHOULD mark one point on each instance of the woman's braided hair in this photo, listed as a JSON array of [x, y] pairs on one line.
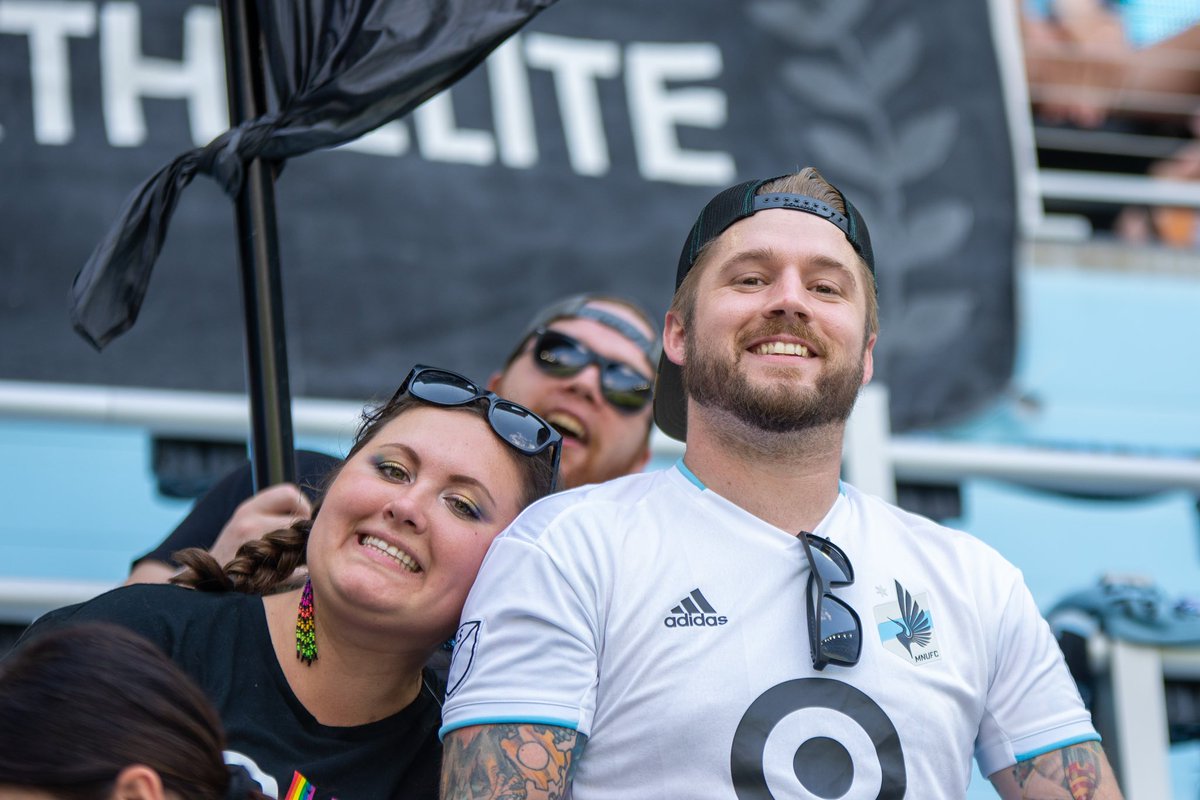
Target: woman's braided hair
[[259, 567]]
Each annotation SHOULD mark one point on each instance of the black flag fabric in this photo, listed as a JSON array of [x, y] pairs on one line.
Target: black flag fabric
[[340, 68]]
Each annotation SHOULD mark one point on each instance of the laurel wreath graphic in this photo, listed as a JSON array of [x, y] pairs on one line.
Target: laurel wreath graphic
[[857, 142]]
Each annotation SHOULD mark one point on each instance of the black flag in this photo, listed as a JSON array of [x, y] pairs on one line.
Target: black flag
[[340, 68]]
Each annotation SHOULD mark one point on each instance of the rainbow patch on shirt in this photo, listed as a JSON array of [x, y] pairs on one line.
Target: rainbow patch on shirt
[[301, 788]]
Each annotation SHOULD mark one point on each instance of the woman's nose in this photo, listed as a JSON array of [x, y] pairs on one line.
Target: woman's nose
[[408, 507]]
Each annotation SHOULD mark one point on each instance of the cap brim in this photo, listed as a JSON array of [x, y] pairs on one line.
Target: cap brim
[[670, 402]]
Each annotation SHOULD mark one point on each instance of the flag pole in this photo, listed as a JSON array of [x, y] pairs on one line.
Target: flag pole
[[271, 453]]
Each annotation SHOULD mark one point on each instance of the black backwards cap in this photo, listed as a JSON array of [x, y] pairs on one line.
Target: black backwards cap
[[734, 204]]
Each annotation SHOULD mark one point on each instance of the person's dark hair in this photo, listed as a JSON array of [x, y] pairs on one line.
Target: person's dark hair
[[262, 565], [79, 705]]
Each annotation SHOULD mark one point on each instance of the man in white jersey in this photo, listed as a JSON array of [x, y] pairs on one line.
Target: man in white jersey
[[744, 625]]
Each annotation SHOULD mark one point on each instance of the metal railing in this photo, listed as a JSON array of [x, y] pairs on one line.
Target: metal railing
[[906, 457]]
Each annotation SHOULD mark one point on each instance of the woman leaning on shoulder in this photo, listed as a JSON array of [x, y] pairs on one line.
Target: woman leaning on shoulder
[[324, 688]]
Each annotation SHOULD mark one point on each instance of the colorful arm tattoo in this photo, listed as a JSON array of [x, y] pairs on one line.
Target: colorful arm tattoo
[[1078, 772], [510, 762]]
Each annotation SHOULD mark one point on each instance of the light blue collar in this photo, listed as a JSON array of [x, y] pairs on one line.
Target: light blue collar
[[699, 484], [691, 476]]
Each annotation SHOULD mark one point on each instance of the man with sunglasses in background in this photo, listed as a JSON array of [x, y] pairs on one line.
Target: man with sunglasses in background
[[604, 414], [585, 363], [745, 624]]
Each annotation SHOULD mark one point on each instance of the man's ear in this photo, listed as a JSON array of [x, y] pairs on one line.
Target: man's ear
[[869, 360], [673, 338], [138, 782], [494, 382]]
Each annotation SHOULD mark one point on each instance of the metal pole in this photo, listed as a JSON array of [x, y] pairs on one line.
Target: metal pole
[[271, 454]]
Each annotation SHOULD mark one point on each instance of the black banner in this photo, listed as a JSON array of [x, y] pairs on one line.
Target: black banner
[[574, 159]]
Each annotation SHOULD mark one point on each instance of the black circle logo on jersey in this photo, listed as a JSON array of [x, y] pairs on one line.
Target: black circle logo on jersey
[[823, 766]]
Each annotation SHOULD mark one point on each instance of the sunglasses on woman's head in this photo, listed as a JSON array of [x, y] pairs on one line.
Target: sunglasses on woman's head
[[563, 356], [516, 425], [834, 630]]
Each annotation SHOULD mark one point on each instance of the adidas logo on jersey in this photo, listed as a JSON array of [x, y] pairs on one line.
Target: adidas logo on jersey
[[694, 611]]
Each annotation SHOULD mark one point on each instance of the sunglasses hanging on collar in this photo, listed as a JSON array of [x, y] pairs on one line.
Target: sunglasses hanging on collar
[[834, 629]]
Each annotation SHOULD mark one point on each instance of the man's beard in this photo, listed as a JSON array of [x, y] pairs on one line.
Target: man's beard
[[715, 382]]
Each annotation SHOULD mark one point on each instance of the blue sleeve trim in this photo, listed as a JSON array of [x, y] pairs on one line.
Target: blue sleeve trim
[[687, 473], [558, 723], [1041, 751]]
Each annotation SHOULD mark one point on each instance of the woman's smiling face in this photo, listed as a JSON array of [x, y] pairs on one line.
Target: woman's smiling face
[[405, 525]]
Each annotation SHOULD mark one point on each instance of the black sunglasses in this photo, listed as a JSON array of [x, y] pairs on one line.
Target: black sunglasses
[[834, 630], [562, 356], [516, 425]]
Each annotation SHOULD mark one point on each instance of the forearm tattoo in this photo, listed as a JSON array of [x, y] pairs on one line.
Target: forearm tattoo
[[510, 762], [1078, 772]]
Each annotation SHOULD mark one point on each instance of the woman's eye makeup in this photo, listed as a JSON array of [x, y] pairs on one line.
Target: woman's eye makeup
[[392, 470], [461, 505], [465, 508]]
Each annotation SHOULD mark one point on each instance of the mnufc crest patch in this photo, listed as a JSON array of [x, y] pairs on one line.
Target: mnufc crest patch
[[906, 627]]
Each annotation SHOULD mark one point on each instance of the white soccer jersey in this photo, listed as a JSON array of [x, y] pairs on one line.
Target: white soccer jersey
[[669, 626]]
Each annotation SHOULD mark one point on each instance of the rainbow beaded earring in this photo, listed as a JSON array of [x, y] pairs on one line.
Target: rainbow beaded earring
[[306, 627]]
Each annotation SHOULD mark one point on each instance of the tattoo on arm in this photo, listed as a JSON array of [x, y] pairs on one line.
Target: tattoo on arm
[[1078, 772], [510, 762]]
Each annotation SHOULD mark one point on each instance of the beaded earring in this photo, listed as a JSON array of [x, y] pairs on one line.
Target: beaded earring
[[306, 627]]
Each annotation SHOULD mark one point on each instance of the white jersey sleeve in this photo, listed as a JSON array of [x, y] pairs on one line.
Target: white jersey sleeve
[[1033, 706], [527, 646]]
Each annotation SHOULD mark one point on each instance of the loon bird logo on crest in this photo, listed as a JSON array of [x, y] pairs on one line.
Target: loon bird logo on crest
[[906, 626], [915, 623]]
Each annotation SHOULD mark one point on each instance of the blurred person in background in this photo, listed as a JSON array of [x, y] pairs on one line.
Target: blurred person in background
[[1090, 61], [1122, 68]]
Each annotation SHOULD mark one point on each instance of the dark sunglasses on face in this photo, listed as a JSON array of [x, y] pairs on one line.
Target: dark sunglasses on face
[[517, 426], [834, 630], [562, 356]]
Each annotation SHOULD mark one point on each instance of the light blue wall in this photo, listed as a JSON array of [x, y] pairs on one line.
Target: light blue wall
[[80, 500], [1110, 358]]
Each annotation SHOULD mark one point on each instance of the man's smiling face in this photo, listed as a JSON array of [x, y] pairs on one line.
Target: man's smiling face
[[777, 332]]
